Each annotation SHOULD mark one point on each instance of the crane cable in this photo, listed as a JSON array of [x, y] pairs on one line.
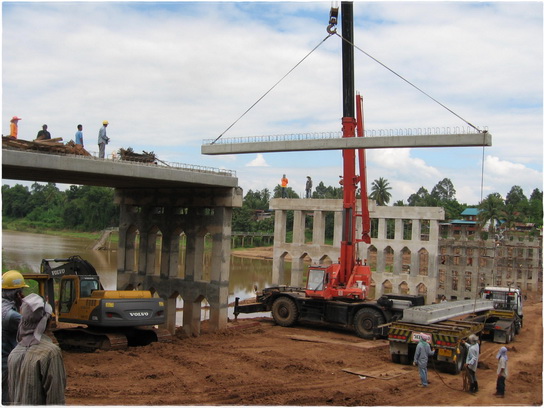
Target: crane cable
[[273, 86], [410, 83]]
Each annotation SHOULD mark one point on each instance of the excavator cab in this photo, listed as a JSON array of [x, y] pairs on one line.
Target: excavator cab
[[73, 288]]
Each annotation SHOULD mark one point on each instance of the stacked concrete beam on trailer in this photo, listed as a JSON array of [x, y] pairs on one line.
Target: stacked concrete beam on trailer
[[442, 311]]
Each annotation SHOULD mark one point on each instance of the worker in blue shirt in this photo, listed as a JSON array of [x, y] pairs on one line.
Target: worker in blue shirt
[[79, 135], [421, 357]]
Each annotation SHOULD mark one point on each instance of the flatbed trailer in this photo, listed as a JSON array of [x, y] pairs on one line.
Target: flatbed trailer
[[446, 340]]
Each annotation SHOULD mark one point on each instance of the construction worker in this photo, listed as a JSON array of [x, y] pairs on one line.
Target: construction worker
[[43, 134], [13, 127], [36, 369], [103, 140], [473, 353], [421, 358], [308, 187], [12, 297], [284, 182]]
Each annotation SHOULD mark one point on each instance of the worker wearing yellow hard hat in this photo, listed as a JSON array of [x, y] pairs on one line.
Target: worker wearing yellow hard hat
[[13, 283], [13, 280], [103, 140]]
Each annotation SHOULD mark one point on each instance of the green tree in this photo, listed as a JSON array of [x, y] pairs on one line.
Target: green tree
[[15, 201], [419, 199], [491, 209], [534, 210], [444, 191], [510, 215], [258, 200], [380, 191], [322, 191], [515, 197]]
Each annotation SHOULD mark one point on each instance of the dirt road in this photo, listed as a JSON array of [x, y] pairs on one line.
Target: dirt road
[[259, 363]]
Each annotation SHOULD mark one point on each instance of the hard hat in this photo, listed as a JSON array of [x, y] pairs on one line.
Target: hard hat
[[13, 280], [105, 122]]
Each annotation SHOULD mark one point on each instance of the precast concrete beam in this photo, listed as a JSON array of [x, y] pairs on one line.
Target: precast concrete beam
[[442, 311], [375, 142]]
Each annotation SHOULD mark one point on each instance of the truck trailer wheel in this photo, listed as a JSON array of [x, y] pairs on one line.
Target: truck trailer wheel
[[366, 320], [284, 312]]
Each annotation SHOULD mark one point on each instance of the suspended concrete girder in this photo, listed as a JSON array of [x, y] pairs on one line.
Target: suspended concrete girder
[[442, 311], [258, 145]]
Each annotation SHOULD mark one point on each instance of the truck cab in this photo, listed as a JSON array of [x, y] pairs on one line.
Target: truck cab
[[504, 298], [506, 319]]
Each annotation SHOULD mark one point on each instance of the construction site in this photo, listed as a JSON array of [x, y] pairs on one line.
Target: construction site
[[256, 362], [343, 324]]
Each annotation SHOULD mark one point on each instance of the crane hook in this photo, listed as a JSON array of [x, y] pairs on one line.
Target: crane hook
[[333, 20]]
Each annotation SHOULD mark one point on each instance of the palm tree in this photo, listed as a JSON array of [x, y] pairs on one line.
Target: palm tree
[[491, 209], [380, 191]]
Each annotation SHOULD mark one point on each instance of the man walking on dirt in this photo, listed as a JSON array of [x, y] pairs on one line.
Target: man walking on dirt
[[473, 354], [421, 358]]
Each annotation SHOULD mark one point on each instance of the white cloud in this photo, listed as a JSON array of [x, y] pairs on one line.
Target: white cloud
[[258, 161], [169, 74]]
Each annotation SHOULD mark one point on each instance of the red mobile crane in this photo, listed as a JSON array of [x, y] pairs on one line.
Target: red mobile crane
[[336, 294]]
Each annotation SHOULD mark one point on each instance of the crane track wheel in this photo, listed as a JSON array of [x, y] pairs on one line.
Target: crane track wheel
[[366, 320], [284, 311]]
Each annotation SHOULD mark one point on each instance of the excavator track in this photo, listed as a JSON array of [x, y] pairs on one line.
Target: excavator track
[[90, 339]]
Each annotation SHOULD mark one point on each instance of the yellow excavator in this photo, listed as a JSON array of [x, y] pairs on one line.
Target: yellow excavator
[[112, 319]]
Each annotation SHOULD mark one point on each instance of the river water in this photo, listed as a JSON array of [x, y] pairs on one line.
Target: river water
[[24, 251]]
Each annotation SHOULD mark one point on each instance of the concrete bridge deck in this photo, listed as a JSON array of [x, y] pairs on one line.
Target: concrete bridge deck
[[82, 170]]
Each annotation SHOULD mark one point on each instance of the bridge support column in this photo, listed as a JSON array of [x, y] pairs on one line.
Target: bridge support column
[[167, 214]]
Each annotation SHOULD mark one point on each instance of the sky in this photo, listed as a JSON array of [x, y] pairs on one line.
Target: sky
[[168, 75]]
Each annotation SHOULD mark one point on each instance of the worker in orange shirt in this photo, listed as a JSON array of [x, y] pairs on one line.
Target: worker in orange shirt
[[13, 128], [284, 182]]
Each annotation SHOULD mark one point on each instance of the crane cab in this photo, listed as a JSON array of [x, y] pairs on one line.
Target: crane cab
[[323, 282]]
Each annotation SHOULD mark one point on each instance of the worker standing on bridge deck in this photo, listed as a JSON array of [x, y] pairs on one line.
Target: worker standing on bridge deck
[[103, 140], [36, 369], [284, 182], [14, 127], [421, 358], [79, 135], [471, 365], [43, 134]]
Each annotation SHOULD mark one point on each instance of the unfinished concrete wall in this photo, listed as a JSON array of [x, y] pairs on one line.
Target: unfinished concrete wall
[[469, 260], [150, 257], [404, 246]]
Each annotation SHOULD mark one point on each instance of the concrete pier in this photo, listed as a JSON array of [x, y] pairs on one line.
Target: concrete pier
[[403, 252], [150, 255]]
